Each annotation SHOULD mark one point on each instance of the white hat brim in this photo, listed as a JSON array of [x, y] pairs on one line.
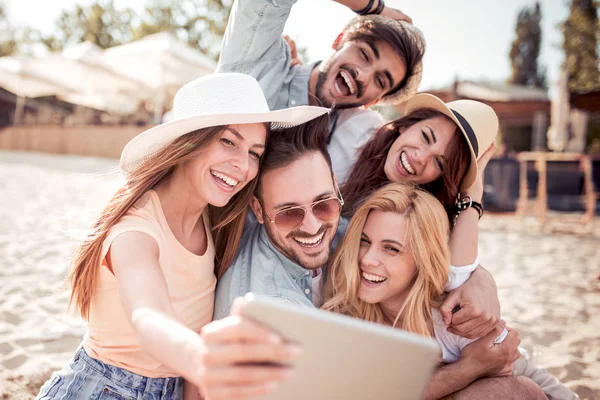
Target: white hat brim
[[152, 140], [426, 100]]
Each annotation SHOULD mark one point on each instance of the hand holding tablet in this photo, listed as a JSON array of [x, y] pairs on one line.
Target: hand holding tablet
[[343, 357]]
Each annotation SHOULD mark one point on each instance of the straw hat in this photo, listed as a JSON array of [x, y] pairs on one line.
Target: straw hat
[[410, 32], [477, 121], [219, 99]]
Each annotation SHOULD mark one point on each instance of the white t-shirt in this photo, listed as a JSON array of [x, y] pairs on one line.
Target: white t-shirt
[[450, 343], [354, 127]]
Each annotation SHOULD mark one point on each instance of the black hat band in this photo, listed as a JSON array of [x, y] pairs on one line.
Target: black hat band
[[469, 131]]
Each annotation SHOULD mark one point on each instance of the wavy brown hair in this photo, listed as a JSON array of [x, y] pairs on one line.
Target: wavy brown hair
[[226, 222], [407, 44], [368, 175], [427, 236]]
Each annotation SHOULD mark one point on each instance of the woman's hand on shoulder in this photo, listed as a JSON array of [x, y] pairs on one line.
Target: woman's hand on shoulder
[[473, 309], [241, 358]]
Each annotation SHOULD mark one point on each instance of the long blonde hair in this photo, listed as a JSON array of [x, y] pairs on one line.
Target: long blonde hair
[[227, 223], [427, 236]]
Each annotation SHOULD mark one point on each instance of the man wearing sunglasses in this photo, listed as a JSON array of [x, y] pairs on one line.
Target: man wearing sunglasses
[[296, 206]]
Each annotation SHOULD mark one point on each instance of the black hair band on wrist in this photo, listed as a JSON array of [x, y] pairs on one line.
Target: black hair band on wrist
[[379, 8], [478, 207], [465, 203], [365, 10]]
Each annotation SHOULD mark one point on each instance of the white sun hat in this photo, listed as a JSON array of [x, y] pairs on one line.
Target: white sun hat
[[218, 99]]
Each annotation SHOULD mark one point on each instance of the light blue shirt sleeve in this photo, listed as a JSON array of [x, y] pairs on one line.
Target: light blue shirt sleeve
[[253, 43]]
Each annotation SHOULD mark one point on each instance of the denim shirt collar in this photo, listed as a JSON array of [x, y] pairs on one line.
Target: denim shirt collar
[[299, 85], [294, 270]]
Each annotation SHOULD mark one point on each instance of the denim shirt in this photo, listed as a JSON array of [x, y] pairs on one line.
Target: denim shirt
[[253, 45], [260, 268]]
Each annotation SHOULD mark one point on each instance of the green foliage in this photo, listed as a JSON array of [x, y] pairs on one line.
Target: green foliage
[[526, 49], [593, 136], [100, 23], [8, 44], [581, 31], [200, 23]]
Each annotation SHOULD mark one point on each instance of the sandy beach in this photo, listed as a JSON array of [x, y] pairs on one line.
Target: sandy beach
[[548, 282]]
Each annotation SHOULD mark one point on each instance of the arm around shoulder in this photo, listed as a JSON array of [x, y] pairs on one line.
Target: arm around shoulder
[[473, 309]]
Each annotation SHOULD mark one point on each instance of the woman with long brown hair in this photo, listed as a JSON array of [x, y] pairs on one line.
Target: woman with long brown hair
[[444, 149], [392, 267], [145, 277]]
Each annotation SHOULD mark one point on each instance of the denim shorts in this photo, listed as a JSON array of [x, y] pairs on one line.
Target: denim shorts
[[87, 378]]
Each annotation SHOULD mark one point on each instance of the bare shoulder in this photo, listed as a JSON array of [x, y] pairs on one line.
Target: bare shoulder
[[133, 248]]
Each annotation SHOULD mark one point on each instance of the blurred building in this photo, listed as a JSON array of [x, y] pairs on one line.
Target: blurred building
[[129, 84], [523, 111]]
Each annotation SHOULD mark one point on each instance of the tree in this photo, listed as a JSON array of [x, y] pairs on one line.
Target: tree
[[526, 49], [100, 23], [8, 44], [200, 23], [580, 43]]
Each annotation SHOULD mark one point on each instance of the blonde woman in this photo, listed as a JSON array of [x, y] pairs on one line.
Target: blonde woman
[[444, 148], [391, 268], [145, 277]]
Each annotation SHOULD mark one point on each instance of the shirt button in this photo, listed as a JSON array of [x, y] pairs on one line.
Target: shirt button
[[307, 291], [293, 102]]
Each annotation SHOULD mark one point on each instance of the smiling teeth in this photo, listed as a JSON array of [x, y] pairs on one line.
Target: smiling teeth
[[311, 241], [228, 180], [348, 80], [406, 164], [373, 278]]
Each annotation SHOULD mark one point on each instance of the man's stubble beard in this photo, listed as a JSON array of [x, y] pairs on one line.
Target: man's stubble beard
[[320, 95], [292, 255]]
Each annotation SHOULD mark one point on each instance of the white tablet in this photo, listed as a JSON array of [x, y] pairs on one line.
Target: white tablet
[[346, 358]]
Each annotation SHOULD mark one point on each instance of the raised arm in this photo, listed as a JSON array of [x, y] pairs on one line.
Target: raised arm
[[253, 34], [255, 27], [465, 234], [477, 299], [208, 360], [253, 44], [389, 12]]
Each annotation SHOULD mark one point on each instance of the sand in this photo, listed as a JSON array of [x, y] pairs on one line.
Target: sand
[[548, 282]]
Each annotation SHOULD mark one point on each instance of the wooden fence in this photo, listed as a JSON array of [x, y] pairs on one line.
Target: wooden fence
[[95, 141]]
